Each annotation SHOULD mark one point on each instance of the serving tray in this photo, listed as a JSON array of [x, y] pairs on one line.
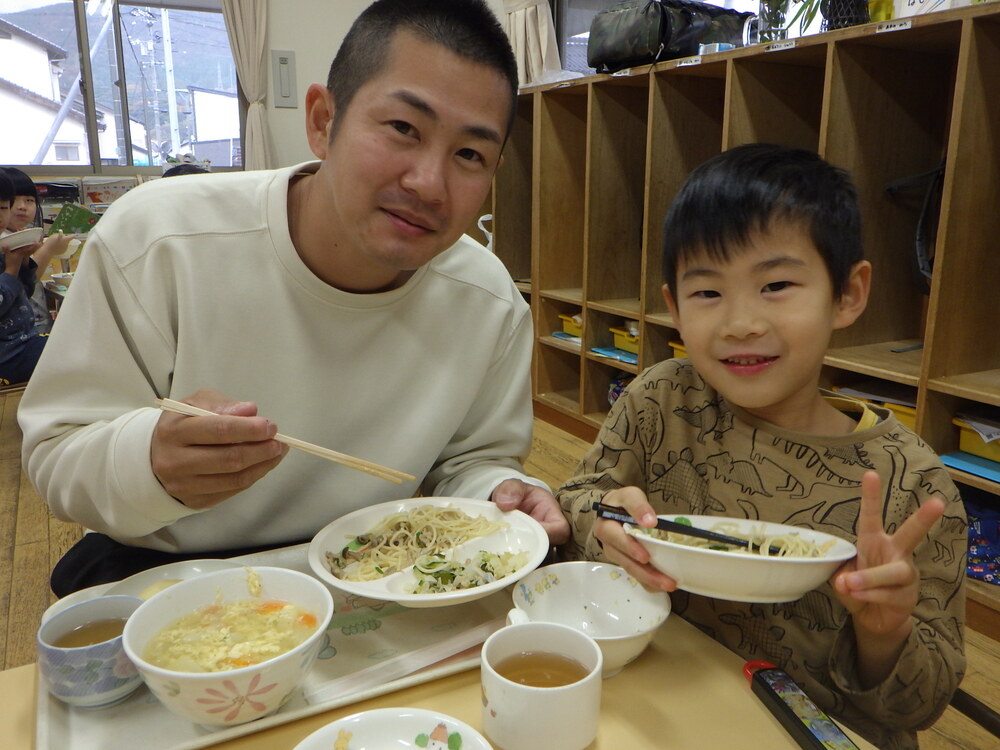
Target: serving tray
[[373, 647]]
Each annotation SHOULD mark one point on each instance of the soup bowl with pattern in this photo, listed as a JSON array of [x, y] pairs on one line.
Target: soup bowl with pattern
[[251, 677]]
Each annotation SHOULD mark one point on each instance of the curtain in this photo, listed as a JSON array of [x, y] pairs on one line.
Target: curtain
[[246, 25], [532, 34]]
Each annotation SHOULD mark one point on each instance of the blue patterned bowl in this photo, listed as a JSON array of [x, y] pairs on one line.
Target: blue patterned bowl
[[88, 676]]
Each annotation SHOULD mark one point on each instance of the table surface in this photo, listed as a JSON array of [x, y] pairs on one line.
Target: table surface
[[685, 687]]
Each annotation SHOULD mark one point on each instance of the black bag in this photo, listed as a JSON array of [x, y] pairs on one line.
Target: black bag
[[641, 32]]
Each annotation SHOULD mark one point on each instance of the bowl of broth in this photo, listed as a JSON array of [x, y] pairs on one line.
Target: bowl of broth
[[230, 646], [81, 657]]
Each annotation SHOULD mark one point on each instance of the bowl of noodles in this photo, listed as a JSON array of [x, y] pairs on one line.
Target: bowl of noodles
[[786, 561], [428, 551]]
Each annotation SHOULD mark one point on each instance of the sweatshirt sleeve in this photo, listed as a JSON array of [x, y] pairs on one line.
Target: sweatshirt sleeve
[[616, 459], [932, 663], [88, 413], [495, 435]]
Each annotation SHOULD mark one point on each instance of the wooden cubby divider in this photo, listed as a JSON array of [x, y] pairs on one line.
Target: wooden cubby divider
[[593, 163]]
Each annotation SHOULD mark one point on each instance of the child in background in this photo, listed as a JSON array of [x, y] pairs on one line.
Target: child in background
[[25, 213], [20, 344], [762, 261]]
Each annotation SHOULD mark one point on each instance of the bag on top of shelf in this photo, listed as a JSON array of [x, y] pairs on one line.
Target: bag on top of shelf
[[641, 32]]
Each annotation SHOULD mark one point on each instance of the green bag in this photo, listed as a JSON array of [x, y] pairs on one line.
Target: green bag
[[642, 32]]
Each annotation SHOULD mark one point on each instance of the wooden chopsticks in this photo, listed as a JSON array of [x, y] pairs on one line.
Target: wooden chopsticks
[[359, 464], [615, 513]]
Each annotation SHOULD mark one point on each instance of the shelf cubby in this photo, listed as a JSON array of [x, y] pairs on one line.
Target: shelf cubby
[[616, 178], [686, 112], [886, 102], [777, 97], [558, 187], [512, 195]]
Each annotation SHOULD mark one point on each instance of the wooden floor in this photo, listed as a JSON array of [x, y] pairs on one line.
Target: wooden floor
[[31, 540]]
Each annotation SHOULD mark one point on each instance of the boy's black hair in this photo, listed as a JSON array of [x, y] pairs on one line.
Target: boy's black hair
[[468, 28], [6, 189], [728, 198], [23, 185]]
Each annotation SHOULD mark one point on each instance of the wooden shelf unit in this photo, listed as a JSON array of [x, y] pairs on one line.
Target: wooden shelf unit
[[593, 164]]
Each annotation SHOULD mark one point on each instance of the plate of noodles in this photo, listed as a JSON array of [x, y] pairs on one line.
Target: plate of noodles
[[787, 561], [428, 551]]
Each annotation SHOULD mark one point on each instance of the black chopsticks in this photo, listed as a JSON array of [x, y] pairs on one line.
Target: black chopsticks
[[615, 513]]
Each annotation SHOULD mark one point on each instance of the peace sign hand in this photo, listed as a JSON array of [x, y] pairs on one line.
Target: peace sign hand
[[881, 585]]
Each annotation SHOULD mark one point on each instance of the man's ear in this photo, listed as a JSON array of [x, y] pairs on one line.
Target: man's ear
[[854, 300], [319, 119], [672, 306]]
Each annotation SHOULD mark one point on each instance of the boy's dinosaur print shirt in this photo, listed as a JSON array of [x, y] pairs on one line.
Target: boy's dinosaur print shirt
[[690, 451]]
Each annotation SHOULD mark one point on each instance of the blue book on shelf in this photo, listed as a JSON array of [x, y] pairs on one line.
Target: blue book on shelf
[[981, 467], [615, 353]]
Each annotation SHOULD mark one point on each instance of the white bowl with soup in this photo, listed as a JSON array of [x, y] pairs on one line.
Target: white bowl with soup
[[229, 647], [710, 569]]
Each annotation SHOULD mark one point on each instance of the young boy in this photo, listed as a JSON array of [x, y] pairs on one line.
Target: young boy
[[762, 260]]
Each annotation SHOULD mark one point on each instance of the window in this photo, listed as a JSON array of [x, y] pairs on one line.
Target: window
[[157, 81], [67, 152]]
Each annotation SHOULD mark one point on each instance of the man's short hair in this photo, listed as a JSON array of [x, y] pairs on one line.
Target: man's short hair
[[467, 28], [731, 196], [182, 169]]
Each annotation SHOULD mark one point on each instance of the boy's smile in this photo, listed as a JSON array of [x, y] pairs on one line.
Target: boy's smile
[[757, 325]]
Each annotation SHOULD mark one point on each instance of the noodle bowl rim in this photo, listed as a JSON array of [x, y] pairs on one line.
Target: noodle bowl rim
[[819, 537]]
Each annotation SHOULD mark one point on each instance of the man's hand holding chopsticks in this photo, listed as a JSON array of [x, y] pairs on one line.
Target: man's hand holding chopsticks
[[202, 461]]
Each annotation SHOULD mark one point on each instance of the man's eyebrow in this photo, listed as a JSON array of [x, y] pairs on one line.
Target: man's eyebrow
[[476, 131]]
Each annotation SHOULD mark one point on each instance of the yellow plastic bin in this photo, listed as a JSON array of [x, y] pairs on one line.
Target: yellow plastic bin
[[570, 326], [680, 351], [970, 442], [625, 340], [907, 415]]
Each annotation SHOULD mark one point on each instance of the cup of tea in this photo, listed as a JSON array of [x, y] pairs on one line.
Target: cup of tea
[[541, 686], [80, 654]]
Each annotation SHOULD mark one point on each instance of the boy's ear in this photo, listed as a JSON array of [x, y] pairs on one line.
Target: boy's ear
[[672, 306], [319, 119], [854, 300]]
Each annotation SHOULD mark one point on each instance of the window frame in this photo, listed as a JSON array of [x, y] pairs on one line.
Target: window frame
[[90, 105]]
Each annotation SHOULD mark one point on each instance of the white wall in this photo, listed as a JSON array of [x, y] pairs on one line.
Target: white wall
[[313, 30]]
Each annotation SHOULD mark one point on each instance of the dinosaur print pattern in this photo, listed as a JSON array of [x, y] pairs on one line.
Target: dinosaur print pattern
[[671, 435]]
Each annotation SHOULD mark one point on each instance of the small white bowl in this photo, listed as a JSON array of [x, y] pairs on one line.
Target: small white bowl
[[397, 727], [235, 696], [146, 583], [741, 577], [63, 279], [598, 599], [87, 676]]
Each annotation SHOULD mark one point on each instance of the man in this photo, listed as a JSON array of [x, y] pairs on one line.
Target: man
[[339, 296]]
